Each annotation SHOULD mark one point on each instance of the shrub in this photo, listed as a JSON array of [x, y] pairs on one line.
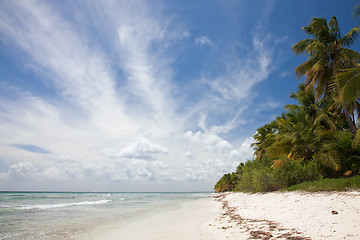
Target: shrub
[[296, 172], [260, 176], [226, 183]]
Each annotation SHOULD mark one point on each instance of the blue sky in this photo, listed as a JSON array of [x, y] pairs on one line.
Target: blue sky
[[143, 95]]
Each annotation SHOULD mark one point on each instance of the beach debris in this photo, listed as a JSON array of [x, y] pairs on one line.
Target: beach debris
[[334, 212], [260, 235], [255, 228], [226, 227]]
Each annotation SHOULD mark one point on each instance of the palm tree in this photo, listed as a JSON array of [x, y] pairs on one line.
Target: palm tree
[[305, 132], [328, 53], [301, 137], [347, 83], [264, 137], [316, 111]]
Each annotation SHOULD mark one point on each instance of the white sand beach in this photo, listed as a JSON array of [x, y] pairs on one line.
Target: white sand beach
[[288, 215], [278, 215]]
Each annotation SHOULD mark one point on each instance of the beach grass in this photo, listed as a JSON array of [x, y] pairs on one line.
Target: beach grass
[[334, 184]]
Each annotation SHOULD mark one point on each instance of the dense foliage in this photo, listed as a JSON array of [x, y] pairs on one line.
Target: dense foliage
[[319, 136]]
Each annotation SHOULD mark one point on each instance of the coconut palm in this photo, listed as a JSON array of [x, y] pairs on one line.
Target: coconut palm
[[301, 137], [264, 137], [349, 82], [317, 112], [328, 53], [305, 132], [347, 85]]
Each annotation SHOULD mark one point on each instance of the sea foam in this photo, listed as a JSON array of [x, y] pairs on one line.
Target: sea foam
[[62, 205]]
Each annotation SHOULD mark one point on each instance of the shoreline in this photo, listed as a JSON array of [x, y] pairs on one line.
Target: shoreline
[[274, 215], [184, 222]]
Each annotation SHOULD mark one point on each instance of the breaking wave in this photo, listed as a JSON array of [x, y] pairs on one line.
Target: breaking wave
[[62, 205]]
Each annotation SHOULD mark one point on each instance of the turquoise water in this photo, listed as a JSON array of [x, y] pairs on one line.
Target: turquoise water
[[31, 215]]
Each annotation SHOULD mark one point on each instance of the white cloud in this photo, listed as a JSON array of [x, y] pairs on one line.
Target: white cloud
[[160, 165], [143, 39], [223, 146], [61, 56], [214, 168], [138, 148], [203, 41], [22, 170], [215, 144], [243, 73], [54, 174], [186, 34], [199, 137], [113, 112], [188, 154], [286, 74], [141, 171], [246, 151]]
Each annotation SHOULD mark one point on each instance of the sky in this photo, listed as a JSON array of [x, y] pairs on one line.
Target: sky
[[122, 95]]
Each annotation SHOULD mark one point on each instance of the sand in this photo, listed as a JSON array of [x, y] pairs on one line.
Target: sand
[[278, 215], [184, 223], [288, 215]]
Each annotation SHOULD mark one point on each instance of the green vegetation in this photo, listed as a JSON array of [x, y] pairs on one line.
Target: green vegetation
[[339, 184], [315, 143]]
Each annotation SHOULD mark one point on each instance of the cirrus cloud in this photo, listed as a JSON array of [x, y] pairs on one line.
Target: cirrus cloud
[[116, 92]]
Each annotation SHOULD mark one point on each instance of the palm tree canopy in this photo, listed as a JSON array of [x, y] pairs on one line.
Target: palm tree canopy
[[348, 82], [328, 52], [304, 132]]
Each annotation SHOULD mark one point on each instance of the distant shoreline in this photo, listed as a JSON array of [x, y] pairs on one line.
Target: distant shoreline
[[93, 192]]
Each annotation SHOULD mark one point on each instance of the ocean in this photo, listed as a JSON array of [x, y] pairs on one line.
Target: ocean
[[55, 215]]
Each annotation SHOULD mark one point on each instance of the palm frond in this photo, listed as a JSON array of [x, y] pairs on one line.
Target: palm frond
[[347, 83], [303, 68], [322, 118], [356, 140], [349, 58], [292, 107], [351, 90], [316, 28], [350, 37], [330, 159], [301, 46], [334, 29], [315, 47]]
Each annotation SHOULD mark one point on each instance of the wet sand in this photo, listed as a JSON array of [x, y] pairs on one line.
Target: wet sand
[[278, 215]]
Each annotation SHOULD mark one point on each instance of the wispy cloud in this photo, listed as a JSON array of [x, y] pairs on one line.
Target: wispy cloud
[[243, 73], [115, 110], [62, 57], [203, 40]]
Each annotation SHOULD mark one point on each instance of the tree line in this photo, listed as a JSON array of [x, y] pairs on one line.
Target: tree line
[[319, 137]]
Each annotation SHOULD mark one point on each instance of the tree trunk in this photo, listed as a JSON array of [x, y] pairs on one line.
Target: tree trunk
[[348, 119]]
